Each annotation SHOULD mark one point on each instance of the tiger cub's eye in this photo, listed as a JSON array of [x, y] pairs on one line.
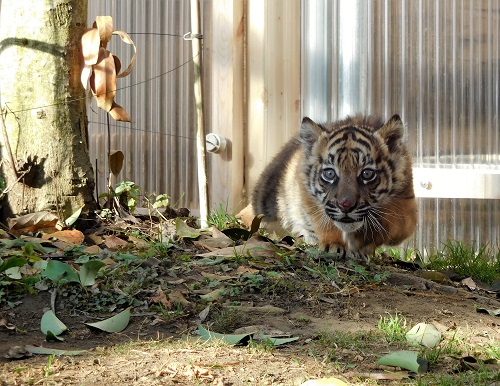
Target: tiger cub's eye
[[328, 175], [368, 175]]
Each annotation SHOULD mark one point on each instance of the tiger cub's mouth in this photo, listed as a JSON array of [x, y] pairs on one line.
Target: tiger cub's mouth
[[347, 219], [348, 224]]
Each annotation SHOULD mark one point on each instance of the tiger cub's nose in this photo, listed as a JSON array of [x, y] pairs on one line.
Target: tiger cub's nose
[[346, 205]]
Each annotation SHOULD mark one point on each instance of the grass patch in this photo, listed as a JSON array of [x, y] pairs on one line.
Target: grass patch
[[468, 260], [226, 320], [340, 345], [394, 327], [478, 378], [222, 220]]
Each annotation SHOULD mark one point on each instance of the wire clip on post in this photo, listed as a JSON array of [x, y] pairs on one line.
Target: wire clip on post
[[191, 36]]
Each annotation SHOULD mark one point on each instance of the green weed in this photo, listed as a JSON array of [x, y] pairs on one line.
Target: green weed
[[47, 369], [226, 320], [405, 253], [394, 327], [481, 263], [476, 378], [265, 345], [222, 220]]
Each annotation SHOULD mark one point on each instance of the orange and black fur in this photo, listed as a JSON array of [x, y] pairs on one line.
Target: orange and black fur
[[346, 184]]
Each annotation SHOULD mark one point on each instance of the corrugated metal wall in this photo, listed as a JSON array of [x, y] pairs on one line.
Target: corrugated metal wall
[[437, 64], [159, 145]]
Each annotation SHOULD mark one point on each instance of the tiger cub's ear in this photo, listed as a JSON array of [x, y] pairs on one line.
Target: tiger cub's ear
[[309, 133], [392, 132]]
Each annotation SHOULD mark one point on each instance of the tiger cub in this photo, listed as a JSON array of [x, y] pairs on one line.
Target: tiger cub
[[343, 185]]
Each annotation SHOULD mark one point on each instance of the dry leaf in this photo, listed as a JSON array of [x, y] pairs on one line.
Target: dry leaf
[[113, 242], [18, 352], [102, 68], [118, 65], [242, 270], [124, 36], [138, 242], [217, 234], [103, 80], [267, 309], [253, 246], [177, 298], [105, 26], [70, 236], [90, 47], [213, 276], [94, 239], [33, 221], [118, 113], [116, 158], [108, 261], [5, 324], [92, 250], [161, 298], [194, 371], [85, 76], [214, 244]]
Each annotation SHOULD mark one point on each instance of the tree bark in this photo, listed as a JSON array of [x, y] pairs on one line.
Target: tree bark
[[44, 107]]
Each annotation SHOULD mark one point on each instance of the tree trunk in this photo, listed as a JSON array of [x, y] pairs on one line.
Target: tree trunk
[[44, 107]]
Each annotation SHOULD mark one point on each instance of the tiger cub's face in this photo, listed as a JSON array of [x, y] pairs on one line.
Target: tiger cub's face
[[354, 167]]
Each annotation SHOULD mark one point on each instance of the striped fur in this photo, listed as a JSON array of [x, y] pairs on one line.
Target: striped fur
[[345, 184]]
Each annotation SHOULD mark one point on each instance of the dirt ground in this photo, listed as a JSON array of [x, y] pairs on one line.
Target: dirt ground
[[163, 348]]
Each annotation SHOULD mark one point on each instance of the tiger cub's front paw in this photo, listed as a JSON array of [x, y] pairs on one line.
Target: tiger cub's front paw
[[340, 253]]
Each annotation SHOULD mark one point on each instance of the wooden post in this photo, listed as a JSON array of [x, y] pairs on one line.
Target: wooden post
[[198, 95], [224, 92]]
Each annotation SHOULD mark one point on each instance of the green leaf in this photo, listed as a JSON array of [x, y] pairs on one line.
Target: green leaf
[[40, 248], [162, 201], [13, 243], [208, 261], [51, 337], [424, 334], [184, 231], [41, 264], [72, 219], [20, 243], [28, 249], [488, 311], [405, 359], [232, 339], [276, 341], [116, 323], [12, 262], [60, 272], [52, 351], [126, 186], [51, 326], [214, 295], [126, 257], [3, 184], [14, 273], [88, 272]]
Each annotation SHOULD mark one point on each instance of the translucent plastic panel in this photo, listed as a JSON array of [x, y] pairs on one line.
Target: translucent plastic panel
[[437, 64]]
